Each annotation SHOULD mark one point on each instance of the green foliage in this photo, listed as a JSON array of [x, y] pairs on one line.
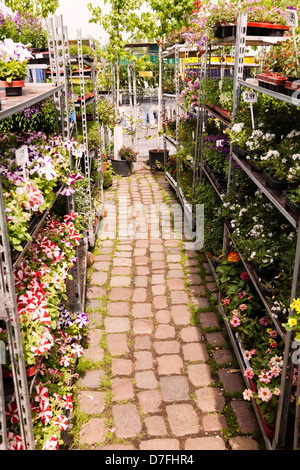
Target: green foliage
[[12, 70], [38, 8], [127, 153]]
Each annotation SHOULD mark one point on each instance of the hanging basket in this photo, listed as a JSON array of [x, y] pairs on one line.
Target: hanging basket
[[15, 88]]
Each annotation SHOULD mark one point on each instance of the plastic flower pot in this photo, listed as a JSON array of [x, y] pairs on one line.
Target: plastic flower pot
[[30, 370], [157, 155], [273, 182], [294, 207], [15, 88], [271, 81], [104, 167], [122, 167]]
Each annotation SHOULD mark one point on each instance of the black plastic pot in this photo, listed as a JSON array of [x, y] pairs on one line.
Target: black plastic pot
[[273, 182], [291, 205], [157, 155], [122, 167]]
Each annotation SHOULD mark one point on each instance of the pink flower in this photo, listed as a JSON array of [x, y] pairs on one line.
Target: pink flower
[[235, 321], [264, 376], [265, 394], [264, 321], [241, 295], [243, 307], [248, 373], [275, 370], [273, 334], [235, 312], [247, 394]]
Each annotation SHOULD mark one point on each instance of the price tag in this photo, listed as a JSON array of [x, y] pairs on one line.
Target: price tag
[[39, 56], [75, 98], [219, 143], [291, 18], [250, 96], [22, 158], [22, 155]]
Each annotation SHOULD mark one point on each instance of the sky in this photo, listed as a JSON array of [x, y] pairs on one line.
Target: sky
[[76, 15]]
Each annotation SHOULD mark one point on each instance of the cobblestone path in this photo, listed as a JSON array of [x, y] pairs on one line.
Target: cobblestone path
[[159, 372]]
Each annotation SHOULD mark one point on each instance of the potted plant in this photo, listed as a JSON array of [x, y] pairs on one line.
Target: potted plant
[[13, 63], [124, 166]]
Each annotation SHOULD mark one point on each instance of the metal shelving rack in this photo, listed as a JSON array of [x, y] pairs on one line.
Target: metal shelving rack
[[240, 42], [32, 94], [87, 154], [178, 52]]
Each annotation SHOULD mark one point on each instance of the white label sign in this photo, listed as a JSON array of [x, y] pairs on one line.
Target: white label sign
[[22, 155], [219, 143], [250, 96], [291, 18]]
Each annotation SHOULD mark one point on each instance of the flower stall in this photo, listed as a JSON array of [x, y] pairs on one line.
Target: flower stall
[[244, 169], [42, 321]]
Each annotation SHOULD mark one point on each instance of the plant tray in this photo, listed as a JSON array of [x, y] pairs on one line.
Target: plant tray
[[254, 166], [290, 87], [273, 182], [294, 207], [225, 30], [271, 82]]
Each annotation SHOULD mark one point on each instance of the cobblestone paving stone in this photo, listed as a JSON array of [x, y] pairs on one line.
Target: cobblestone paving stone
[[162, 374]]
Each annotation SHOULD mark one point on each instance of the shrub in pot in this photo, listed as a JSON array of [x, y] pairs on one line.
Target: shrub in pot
[[123, 166]]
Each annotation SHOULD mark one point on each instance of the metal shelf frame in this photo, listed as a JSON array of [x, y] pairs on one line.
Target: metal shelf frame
[[238, 43]]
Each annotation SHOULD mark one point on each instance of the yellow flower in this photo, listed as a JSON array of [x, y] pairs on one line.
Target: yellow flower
[[292, 322], [296, 305]]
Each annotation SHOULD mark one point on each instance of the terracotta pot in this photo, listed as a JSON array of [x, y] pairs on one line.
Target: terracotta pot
[[30, 370], [15, 88], [104, 167]]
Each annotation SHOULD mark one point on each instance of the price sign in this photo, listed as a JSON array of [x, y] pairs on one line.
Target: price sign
[[219, 143], [75, 98], [250, 96], [22, 155], [22, 158], [291, 18], [39, 56]]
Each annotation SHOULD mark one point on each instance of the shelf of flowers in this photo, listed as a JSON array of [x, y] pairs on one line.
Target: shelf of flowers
[[45, 256]]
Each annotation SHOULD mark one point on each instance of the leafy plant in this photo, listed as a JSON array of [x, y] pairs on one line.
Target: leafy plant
[[127, 153]]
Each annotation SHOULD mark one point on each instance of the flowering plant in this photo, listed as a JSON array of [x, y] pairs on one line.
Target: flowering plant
[[13, 60], [260, 343], [26, 195], [246, 215], [294, 319], [24, 28]]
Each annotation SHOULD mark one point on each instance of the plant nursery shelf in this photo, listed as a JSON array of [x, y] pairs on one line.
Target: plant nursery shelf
[[17, 259], [250, 41], [32, 93], [268, 305], [274, 195], [171, 140], [171, 180], [253, 84]]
